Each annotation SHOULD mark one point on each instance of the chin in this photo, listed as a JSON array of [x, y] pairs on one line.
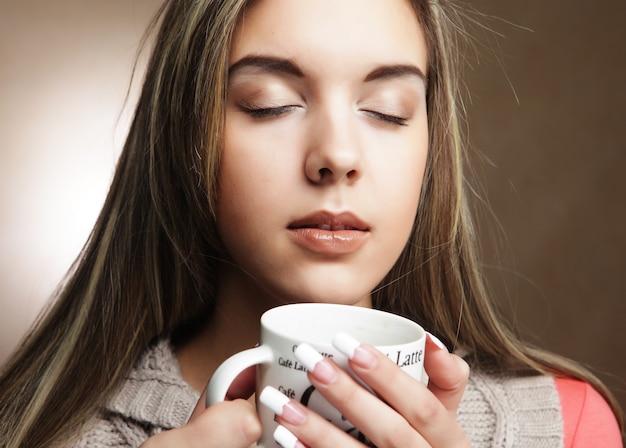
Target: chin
[[325, 285], [343, 295]]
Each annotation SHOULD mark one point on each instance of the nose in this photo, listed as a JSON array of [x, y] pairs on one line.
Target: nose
[[334, 151]]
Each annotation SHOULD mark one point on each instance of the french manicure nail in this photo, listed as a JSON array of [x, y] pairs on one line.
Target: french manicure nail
[[346, 344], [437, 342], [285, 438], [315, 363], [282, 406], [353, 349]]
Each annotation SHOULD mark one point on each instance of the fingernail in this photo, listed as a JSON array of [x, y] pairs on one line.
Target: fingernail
[[315, 363], [354, 350], [282, 406], [437, 342], [286, 439]]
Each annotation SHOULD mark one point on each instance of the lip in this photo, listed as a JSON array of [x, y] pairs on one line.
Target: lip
[[329, 234]]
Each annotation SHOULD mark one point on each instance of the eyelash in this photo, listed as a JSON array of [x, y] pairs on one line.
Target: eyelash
[[392, 119], [269, 112]]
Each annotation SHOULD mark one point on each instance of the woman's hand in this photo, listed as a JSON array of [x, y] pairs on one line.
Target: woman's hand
[[230, 424], [405, 413]]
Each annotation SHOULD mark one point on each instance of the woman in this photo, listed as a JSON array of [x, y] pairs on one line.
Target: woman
[[285, 151]]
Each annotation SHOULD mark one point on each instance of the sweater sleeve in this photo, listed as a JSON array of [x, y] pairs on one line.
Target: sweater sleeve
[[588, 419]]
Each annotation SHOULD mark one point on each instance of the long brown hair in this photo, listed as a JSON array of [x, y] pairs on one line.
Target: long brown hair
[[148, 268], [437, 279]]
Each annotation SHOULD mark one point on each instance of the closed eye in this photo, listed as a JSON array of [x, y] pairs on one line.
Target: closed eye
[[267, 112], [393, 119]]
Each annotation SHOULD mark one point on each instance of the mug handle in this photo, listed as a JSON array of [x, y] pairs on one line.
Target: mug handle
[[231, 368]]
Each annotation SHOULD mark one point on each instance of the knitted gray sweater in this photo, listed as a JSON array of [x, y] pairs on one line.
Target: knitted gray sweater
[[497, 410]]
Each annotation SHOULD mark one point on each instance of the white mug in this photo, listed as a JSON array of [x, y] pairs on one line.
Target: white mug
[[283, 328]]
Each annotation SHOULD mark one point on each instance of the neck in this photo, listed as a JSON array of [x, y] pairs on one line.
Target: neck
[[234, 326]]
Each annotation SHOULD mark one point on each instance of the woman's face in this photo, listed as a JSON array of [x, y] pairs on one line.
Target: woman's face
[[325, 145]]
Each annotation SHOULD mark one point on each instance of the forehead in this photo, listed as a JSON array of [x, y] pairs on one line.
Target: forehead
[[333, 34]]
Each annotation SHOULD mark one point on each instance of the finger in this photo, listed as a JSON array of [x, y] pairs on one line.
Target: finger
[[302, 427], [286, 438], [448, 373], [229, 424], [421, 408], [383, 425]]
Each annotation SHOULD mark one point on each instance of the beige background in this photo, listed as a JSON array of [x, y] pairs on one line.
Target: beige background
[[555, 179], [558, 185]]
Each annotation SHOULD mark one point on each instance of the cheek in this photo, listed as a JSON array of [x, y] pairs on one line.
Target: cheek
[[250, 186], [234, 186], [405, 203], [400, 172], [405, 187], [241, 165]]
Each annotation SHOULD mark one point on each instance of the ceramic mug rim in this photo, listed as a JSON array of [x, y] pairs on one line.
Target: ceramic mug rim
[[369, 325]]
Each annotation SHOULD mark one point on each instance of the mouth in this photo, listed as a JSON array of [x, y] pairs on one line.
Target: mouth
[[328, 235], [330, 222]]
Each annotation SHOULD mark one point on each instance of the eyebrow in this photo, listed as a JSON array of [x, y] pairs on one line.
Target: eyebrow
[[396, 71], [284, 66], [268, 64]]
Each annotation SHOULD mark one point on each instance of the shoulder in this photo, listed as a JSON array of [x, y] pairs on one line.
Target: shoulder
[[111, 430], [511, 408], [587, 418], [154, 397], [154, 392]]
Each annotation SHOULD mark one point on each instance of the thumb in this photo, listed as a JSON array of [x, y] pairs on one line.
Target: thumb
[[229, 424], [226, 424], [448, 373]]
